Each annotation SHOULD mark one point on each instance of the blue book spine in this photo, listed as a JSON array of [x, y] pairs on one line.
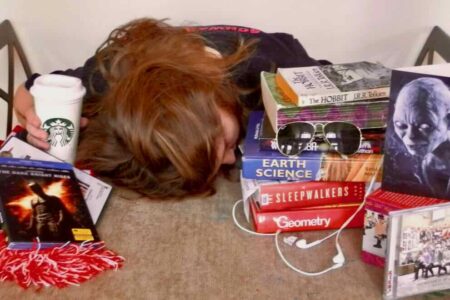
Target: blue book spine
[[35, 163], [271, 165]]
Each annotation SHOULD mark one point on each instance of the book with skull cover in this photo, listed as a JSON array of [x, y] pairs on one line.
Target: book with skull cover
[[417, 147], [41, 202]]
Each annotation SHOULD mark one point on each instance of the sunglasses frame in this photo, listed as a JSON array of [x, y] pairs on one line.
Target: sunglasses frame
[[315, 133]]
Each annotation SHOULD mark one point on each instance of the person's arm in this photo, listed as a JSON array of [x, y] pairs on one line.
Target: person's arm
[[24, 106], [26, 115]]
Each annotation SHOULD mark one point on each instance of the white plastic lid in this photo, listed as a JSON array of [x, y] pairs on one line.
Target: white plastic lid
[[55, 87]]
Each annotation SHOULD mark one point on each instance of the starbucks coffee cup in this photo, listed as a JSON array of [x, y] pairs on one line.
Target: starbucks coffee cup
[[58, 101]]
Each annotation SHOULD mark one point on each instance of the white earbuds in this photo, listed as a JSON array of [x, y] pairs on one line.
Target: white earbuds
[[339, 258], [302, 244]]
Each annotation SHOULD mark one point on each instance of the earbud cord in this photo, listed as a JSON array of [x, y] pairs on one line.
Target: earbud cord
[[236, 222], [287, 263], [340, 256], [337, 232], [233, 214], [361, 206]]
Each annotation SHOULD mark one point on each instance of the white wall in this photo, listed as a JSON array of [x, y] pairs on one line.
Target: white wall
[[59, 34]]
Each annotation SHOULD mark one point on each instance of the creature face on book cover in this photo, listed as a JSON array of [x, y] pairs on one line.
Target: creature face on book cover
[[44, 203], [417, 148]]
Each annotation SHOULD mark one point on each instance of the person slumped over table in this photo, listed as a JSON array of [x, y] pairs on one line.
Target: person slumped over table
[[166, 104]]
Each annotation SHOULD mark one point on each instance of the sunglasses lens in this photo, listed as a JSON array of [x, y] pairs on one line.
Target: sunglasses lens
[[294, 137], [344, 137]]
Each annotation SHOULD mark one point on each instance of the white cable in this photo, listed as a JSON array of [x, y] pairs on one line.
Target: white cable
[[368, 192], [335, 266], [339, 258], [344, 225], [242, 227], [302, 244]]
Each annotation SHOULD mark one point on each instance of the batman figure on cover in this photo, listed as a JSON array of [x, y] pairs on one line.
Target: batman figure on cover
[[49, 218], [421, 121]]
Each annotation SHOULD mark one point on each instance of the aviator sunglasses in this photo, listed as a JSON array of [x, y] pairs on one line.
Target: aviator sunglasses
[[343, 137]]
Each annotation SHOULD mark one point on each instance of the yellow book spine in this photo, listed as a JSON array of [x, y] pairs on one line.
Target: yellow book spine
[[286, 90]]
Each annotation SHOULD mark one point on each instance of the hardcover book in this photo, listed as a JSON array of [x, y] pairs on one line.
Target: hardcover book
[[308, 166], [282, 195], [331, 84], [417, 148], [95, 191], [41, 202], [417, 252], [364, 114], [306, 219], [377, 208]]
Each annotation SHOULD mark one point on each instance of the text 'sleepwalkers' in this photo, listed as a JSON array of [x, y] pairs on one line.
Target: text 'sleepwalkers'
[[284, 222], [306, 195]]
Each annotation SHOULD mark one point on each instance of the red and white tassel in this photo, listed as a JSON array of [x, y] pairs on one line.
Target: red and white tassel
[[70, 264]]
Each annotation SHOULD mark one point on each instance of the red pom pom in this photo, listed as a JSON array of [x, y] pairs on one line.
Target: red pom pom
[[70, 264]]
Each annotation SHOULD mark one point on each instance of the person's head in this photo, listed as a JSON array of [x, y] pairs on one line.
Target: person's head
[[421, 115], [36, 188], [171, 115]]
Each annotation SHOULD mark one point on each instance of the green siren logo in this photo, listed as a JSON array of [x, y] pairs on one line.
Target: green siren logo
[[60, 131]]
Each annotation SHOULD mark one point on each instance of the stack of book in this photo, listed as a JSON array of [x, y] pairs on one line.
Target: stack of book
[[315, 189]]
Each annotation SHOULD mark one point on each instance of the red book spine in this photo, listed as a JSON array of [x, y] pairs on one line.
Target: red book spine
[[319, 218], [294, 195], [16, 130], [385, 201]]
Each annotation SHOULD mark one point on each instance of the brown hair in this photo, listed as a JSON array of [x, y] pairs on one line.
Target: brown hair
[[155, 128]]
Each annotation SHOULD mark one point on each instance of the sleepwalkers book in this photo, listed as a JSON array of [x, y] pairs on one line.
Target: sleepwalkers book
[[276, 195], [417, 148], [42, 201], [338, 83]]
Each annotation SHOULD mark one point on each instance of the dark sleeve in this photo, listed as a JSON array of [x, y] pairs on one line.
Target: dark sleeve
[[272, 51], [92, 79], [78, 72]]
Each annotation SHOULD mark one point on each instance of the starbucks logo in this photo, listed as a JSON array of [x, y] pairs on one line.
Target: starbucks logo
[[60, 131]]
